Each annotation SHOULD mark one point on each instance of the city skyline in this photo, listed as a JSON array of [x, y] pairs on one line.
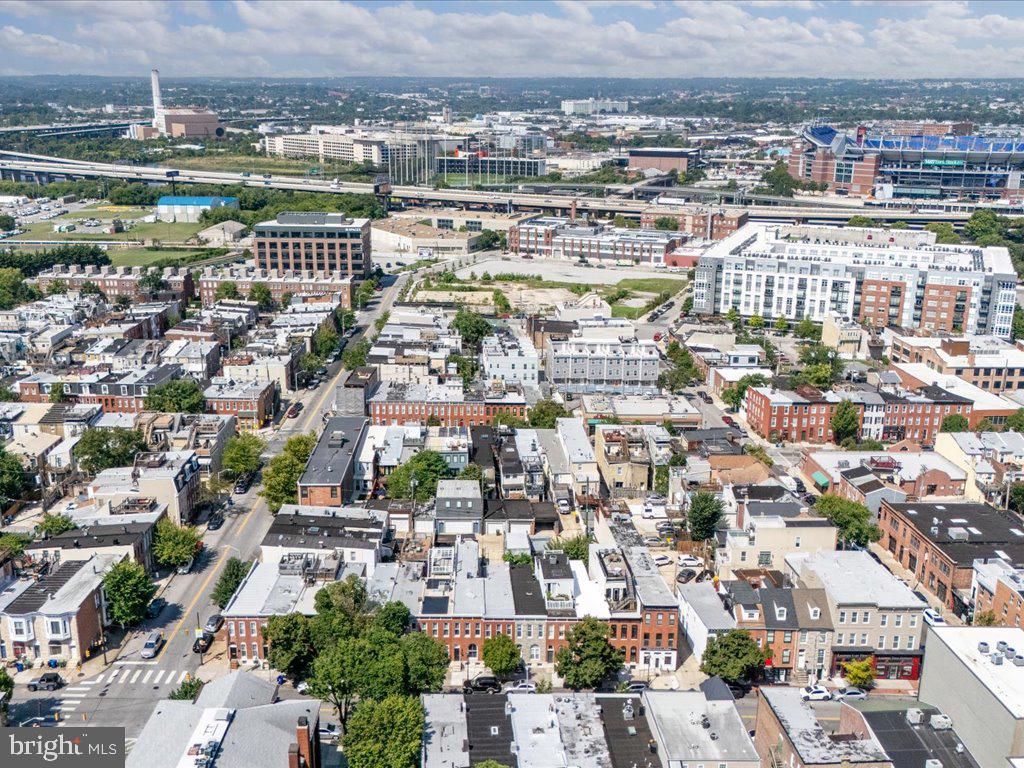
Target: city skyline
[[528, 39]]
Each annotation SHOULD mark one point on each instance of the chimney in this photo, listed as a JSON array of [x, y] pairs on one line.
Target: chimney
[[158, 105], [293, 756], [306, 757]]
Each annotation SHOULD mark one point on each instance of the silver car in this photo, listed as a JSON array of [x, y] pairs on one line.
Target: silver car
[[154, 641]]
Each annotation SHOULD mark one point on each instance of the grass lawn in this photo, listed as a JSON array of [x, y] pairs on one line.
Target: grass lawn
[[106, 212], [653, 284], [159, 230], [140, 257], [630, 313]]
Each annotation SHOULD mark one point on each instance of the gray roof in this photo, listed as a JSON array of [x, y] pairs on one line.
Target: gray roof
[[675, 718], [706, 603], [854, 578], [332, 458], [236, 691]]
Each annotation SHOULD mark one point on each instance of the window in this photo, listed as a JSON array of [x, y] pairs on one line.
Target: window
[[895, 642], [866, 617], [842, 617], [252, 629], [883, 619]]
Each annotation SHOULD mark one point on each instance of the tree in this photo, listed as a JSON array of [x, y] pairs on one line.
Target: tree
[[426, 663], [324, 341], [385, 734], [985, 619], [333, 677], [176, 396], [57, 287], [955, 422], [418, 477], [260, 293], [703, 516], [355, 355], [226, 290], [862, 221], [852, 520], [733, 396], [291, 651], [100, 449], [575, 547], [818, 376], [6, 691], [472, 326], [733, 656], [53, 525], [174, 545], [58, 394], [12, 478], [473, 472], [7, 222], [242, 454], [152, 282], [393, 618], [501, 302], [508, 420], [14, 543], [781, 325], [128, 591], [944, 232], [587, 659], [661, 479], [1017, 327], [756, 322], [545, 413], [281, 477], [733, 317], [501, 654], [188, 690], [861, 673], [669, 223], [235, 570], [1015, 421], [1016, 498], [845, 421], [806, 329], [8, 395], [986, 425]]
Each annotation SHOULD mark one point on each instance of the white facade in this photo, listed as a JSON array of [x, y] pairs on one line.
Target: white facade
[[603, 365], [593, 106], [510, 358]]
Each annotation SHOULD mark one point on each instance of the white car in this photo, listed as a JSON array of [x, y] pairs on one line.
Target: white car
[[689, 561], [662, 560], [933, 618], [520, 686], [564, 506], [815, 693]]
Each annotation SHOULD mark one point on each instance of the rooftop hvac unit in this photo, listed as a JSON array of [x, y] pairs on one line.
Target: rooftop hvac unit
[[983, 647], [940, 722], [915, 716], [997, 658]]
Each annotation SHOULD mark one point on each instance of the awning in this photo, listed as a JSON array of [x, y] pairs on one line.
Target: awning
[[820, 478]]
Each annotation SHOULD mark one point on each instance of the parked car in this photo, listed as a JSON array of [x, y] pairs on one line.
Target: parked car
[[50, 681], [154, 641], [244, 482], [215, 522], [689, 561], [636, 686], [329, 733], [483, 683], [815, 693], [653, 541], [294, 411], [706, 398], [202, 643], [933, 618], [729, 420], [850, 694], [663, 560], [520, 686], [686, 575], [186, 567], [564, 506], [737, 688], [321, 372], [155, 608], [213, 623]]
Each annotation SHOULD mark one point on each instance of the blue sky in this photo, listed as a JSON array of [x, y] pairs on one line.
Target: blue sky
[[613, 38]]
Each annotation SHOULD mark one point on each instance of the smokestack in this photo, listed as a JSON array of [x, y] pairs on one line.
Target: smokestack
[[158, 105]]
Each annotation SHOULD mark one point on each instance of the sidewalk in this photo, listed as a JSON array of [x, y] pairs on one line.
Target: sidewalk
[[911, 581]]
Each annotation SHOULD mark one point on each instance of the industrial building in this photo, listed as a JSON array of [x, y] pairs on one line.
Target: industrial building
[[880, 277]]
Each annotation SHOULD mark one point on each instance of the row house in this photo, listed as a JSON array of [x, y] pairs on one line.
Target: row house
[[394, 404], [940, 542], [115, 392], [252, 403], [282, 284], [138, 284], [173, 477], [997, 588]]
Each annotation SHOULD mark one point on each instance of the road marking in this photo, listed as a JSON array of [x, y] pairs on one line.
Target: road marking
[[64, 708], [159, 674], [145, 679], [183, 676], [113, 674], [135, 676], [137, 663], [76, 688]]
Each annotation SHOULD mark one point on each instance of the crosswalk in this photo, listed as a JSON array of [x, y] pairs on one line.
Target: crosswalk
[[72, 699]]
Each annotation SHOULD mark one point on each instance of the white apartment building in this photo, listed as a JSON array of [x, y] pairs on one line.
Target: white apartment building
[[553, 237], [584, 364], [510, 358], [593, 106], [882, 277]]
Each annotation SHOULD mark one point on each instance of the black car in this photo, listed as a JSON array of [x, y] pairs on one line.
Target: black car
[[483, 683], [243, 483], [50, 681], [738, 688], [215, 522], [156, 607], [686, 575], [203, 643]]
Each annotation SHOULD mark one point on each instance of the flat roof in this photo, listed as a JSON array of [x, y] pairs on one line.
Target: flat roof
[[967, 531], [676, 718], [855, 578], [910, 746], [1006, 681], [706, 603], [334, 452]]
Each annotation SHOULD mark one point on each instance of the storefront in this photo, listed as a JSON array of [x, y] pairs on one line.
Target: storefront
[[892, 665]]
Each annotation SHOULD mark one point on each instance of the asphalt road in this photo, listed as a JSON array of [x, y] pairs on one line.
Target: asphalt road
[[125, 693]]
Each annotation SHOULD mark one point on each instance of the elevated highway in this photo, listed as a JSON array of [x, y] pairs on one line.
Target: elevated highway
[[41, 168]]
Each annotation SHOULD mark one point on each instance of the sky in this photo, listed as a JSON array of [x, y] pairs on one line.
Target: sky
[[574, 38]]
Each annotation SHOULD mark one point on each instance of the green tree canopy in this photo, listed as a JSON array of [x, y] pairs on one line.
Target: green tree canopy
[[242, 454], [756, 322], [355, 355], [260, 293], [733, 396], [781, 324], [385, 734], [860, 673], [574, 547], [128, 591], [806, 329], [53, 525], [234, 571], [1015, 421], [174, 545], [426, 663], [426, 468], [501, 654], [226, 290], [852, 520], [291, 651], [955, 423], [58, 393], [281, 477], [393, 618], [472, 326], [845, 421], [176, 396], [587, 659], [704, 514], [733, 656], [544, 414], [100, 449], [12, 478]]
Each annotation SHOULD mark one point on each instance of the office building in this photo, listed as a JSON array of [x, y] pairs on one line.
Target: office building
[[880, 277], [482, 164], [988, 362], [329, 244], [665, 159], [698, 221]]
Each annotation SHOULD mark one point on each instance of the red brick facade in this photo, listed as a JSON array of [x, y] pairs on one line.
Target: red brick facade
[[469, 414]]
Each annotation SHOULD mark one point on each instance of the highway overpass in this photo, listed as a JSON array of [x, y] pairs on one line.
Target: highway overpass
[[43, 169]]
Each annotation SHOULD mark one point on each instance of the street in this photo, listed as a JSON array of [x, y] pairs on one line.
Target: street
[[124, 693]]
